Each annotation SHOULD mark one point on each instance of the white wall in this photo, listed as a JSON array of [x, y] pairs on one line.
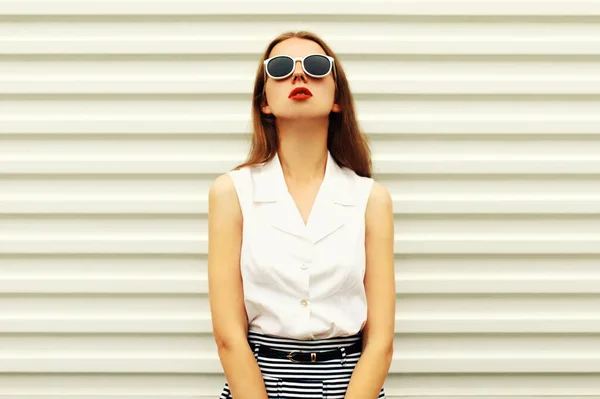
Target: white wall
[[115, 117]]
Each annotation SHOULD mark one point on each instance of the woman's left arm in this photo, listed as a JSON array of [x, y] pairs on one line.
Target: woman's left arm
[[378, 334]]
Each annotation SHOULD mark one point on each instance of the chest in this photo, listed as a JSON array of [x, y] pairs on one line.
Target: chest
[[326, 255], [304, 198]]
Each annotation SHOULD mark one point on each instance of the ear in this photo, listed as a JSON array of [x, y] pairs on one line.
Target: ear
[[335, 108], [266, 109], [264, 105]]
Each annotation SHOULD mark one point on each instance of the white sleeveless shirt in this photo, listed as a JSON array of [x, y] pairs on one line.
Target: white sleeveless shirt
[[303, 281]]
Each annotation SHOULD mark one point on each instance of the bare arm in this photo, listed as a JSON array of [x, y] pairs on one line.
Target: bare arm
[[229, 319], [378, 335]]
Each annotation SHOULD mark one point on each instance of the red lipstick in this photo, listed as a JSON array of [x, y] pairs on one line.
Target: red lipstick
[[300, 93]]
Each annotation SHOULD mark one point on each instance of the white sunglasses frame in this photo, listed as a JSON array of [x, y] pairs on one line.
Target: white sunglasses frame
[[296, 59]]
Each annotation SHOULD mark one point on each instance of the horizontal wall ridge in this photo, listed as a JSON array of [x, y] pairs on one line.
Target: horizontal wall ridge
[[311, 7]]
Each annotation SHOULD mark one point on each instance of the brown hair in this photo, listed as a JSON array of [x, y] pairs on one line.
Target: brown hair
[[347, 144]]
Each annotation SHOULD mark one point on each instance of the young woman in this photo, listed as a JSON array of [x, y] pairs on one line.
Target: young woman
[[301, 240]]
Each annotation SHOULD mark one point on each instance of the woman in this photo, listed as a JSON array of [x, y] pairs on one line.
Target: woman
[[301, 239]]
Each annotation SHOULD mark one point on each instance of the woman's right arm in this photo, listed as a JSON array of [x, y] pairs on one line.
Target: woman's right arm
[[229, 319]]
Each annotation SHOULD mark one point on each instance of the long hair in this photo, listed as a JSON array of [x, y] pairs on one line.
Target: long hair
[[348, 146]]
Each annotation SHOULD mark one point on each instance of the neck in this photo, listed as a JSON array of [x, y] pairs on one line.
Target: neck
[[303, 150]]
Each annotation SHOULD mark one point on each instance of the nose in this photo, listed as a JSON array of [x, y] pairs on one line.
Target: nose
[[298, 71]]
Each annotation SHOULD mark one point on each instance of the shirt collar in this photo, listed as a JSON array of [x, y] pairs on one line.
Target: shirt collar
[[270, 186]]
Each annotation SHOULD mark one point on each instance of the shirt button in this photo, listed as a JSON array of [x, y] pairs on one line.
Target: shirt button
[[304, 266], [304, 303]]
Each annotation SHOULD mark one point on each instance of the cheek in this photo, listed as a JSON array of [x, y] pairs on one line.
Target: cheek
[[325, 91], [275, 95]]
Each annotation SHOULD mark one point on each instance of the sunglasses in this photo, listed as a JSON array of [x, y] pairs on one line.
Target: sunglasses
[[315, 65]]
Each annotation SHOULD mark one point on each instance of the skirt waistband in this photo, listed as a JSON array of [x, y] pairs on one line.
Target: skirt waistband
[[290, 344]]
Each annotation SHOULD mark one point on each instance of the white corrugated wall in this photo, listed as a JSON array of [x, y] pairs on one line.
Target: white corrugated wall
[[115, 117]]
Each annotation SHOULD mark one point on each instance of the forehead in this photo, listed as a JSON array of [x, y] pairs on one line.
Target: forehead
[[296, 47]]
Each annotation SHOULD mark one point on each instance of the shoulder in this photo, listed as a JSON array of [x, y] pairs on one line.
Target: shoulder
[[223, 194], [379, 196], [360, 183], [222, 186], [379, 204], [231, 182], [239, 174]]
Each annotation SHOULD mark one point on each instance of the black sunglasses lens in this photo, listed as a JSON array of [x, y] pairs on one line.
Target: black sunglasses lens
[[317, 65], [280, 66]]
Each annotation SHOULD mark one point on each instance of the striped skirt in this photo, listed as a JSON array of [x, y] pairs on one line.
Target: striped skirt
[[285, 379]]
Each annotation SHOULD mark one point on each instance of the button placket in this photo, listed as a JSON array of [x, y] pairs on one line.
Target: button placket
[[304, 266]]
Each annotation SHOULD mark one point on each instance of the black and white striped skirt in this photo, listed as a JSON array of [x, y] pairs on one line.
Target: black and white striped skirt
[[285, 379]]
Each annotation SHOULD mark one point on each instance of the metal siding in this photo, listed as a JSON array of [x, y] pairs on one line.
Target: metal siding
[[115, 117]]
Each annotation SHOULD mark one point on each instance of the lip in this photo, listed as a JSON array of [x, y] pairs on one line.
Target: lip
[[303, 90]]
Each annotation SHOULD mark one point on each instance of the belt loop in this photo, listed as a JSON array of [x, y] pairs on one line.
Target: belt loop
[[343, 350], [256, 347]]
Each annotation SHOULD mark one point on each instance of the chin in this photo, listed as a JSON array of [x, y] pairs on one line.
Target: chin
[[302, 113]]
